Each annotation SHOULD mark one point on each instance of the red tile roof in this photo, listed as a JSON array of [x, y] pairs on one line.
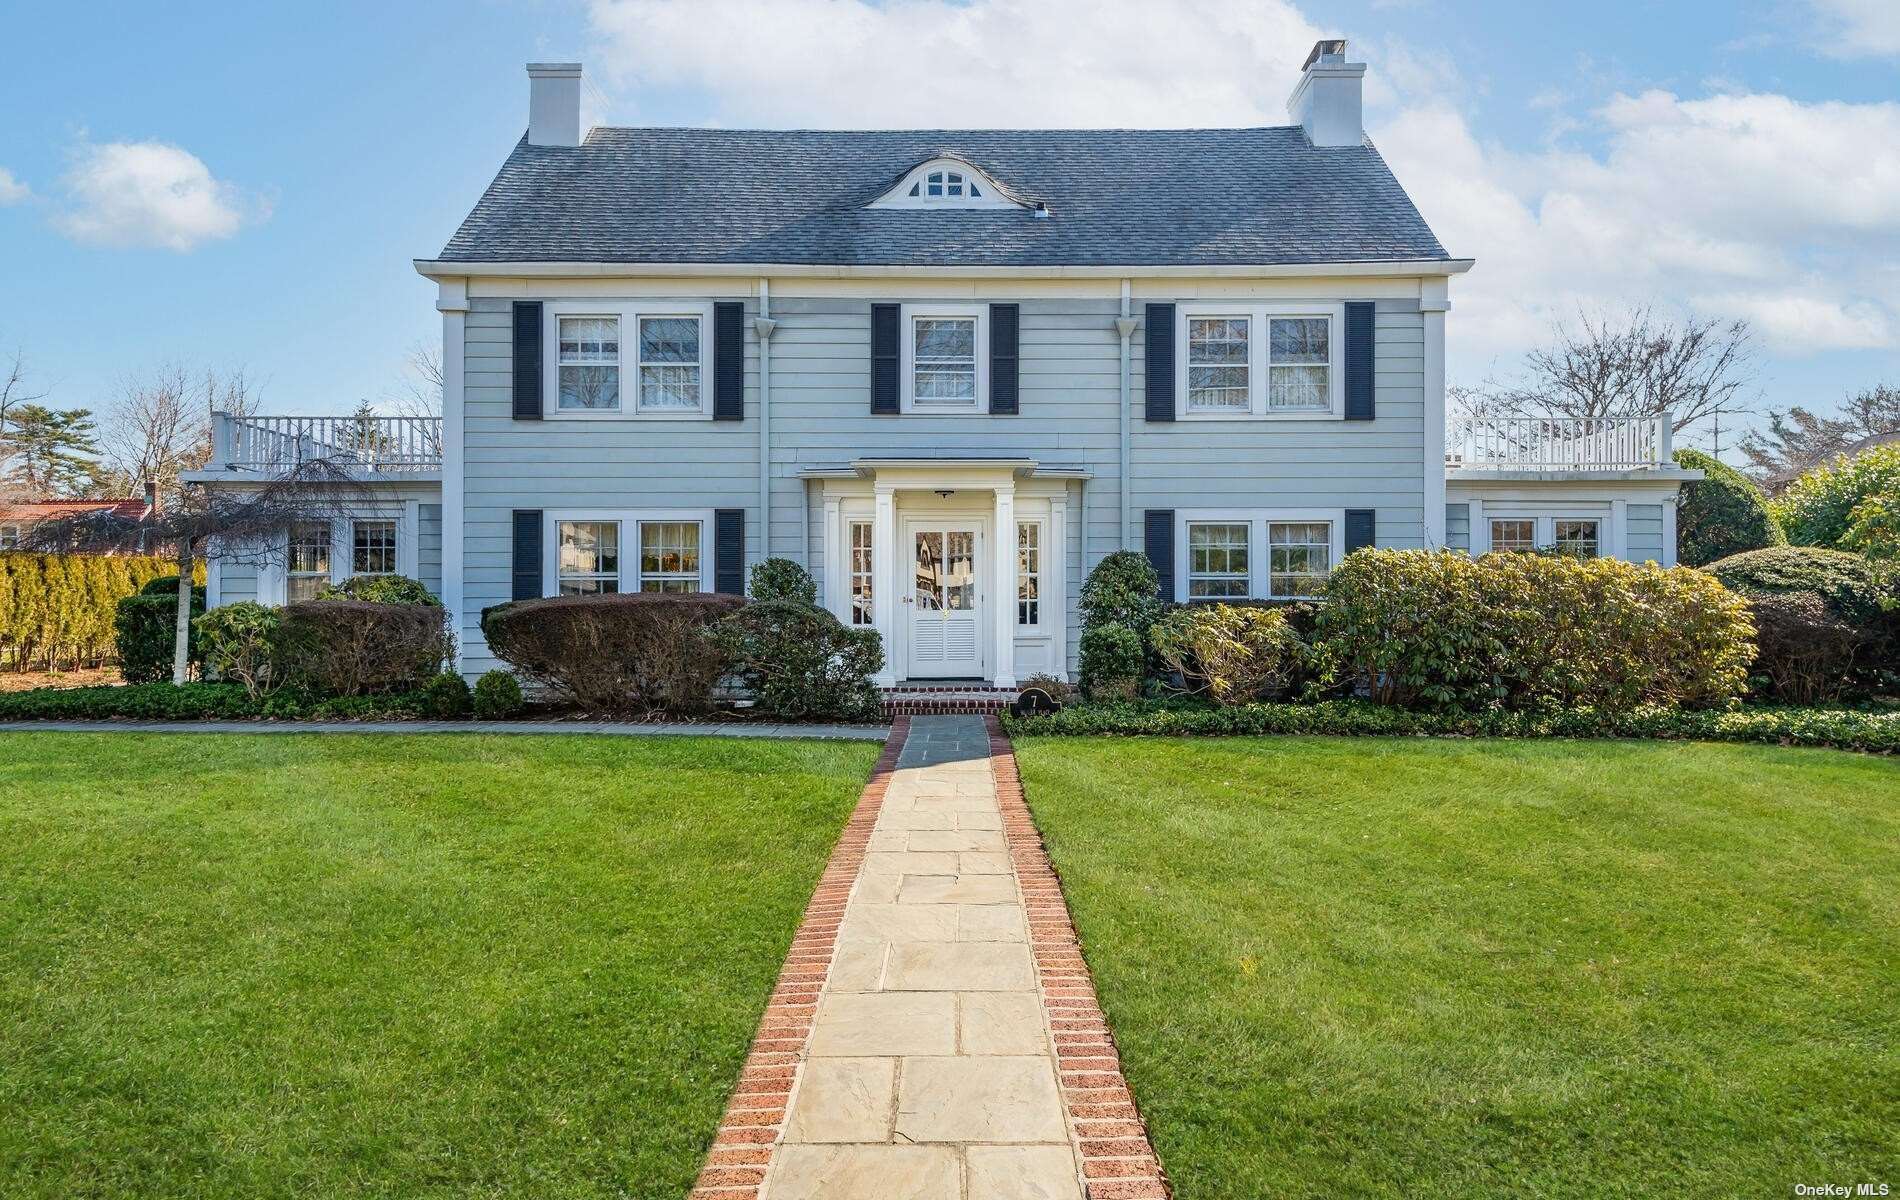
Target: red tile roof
[[40, 510]]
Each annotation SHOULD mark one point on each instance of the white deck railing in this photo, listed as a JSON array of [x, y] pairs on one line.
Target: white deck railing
[[373, 444], [1562, 444]]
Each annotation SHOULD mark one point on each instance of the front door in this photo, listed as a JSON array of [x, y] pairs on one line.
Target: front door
[[946, 626]]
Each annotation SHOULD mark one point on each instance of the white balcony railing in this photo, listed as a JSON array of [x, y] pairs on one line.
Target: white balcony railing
[[377, 445], [1561, 444]]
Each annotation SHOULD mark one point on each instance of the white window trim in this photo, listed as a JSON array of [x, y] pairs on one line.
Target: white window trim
[[1256, 520], [907, 352], [628, 314], [273, 576], [993, 196], [10, 533], [1258, 367], [1549, 525], [851, 574], [629, 521], [1545, 529], [1043, 525]]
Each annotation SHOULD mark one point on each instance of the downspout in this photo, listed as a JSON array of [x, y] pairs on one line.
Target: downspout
[[1125, 326], [763, 326]]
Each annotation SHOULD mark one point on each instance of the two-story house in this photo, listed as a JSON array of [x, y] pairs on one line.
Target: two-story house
[[948, 371]]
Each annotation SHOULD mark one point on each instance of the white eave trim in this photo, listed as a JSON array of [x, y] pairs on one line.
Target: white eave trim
[[439, 269]]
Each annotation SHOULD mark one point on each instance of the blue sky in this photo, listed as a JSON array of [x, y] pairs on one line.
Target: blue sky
[[245, 185]]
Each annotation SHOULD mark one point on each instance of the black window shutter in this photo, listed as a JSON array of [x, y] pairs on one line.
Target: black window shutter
[[729, 551], [1158, 369], [884, 322], [1157, 535], [527, 572], [528, 362], [1005, 331], [1361, 529], [1359, 361], [729, 361]]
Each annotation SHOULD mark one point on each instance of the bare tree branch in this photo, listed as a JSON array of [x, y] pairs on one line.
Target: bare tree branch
[[419, 392], [1798, 438], [15, 393]]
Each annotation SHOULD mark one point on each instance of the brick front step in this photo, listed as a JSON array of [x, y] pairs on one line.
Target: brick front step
[[945, 700]]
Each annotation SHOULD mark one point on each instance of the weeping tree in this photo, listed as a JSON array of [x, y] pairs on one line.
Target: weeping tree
[[240, 523]]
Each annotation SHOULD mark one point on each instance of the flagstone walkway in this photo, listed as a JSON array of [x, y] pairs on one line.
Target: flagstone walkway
[[935, 1035]]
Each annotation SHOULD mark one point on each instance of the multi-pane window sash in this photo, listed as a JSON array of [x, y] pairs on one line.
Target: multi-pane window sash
[[590, 558], [669, 364], [1299, 353], [307, 563], [1578, 537], [1219, 353], [862, 610], [1299, 555], [669, 556], [1217, 561], [1516, 535], [944, 361], [589, 355], [9, 537], [373, 548], [1029, 573]]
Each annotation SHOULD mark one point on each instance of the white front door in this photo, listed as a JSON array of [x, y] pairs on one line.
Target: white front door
[[946, 622]]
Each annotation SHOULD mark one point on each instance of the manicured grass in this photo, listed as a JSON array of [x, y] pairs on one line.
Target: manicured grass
[[1401, 967], [307, 965]]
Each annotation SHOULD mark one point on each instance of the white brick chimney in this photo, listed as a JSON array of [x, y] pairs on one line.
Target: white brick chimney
[[1329, 102], [554, 104]]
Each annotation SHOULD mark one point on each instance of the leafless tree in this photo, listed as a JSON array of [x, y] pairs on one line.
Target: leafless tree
[[232, 524], [419, 392], [1636, 364], [15, 392], [1798, 438], [161, 424]]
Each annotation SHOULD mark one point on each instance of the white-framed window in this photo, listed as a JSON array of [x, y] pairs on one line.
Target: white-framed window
[[307, 561], [1576, 535], [1513, 535], [372, 547], [1029, 551], [1299, 557], [627, 360], [670, 364], [1220, 359], [1278, 361], [945, 183], [669, 556], [863, 610], [588, 363], [1218, 560], [589, 558], [945, 358], [9, 536]]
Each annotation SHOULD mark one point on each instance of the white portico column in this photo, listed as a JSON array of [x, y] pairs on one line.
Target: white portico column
[[1005, 605], [884, 577]]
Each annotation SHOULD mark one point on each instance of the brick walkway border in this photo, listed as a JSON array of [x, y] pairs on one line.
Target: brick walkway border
[[735, 1166], [1118, 1160]]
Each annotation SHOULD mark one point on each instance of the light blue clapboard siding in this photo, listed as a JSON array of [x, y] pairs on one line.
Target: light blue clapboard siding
[[1458, 526], [1645, 532], [429, 546], [236, 581]]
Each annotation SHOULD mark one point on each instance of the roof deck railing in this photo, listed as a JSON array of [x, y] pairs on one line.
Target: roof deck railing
[[374, 445], [1562, 444]]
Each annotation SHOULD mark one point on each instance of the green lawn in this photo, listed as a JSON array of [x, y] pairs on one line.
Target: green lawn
[[244, 966], [1385, 967]]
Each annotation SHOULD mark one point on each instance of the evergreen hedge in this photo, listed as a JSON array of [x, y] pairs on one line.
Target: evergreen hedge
[[1721, 514], [1818, 508], [59, 611]]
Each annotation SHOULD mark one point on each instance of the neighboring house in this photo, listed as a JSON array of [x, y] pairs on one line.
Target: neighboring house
[[948, 371], [18, 516]]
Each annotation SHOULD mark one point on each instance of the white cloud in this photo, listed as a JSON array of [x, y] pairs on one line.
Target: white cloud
[[149, 194], [12, 191], [1857, 28]]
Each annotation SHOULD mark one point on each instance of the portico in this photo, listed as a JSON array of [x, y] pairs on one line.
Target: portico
[[961, 565]]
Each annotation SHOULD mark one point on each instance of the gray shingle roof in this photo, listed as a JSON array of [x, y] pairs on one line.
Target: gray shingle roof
[[1115, 196]]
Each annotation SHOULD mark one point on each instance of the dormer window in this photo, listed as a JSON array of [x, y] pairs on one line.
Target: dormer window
[[947, 183]]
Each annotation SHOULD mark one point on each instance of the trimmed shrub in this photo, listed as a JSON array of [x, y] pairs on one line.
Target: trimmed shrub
[[1846, 583], [1234, 654], [1804, 652], [1058, 689], [446, 696], [641, 652], [1111, 662], [1122, 590], [497, 696], [60, 610], [1721, 514], [801, 662], [1826, 631], [783, 579], [1432, 629], [1818, 507], [201, 702], [380, 589], [355, 648], [244, 644], [1877, 732], [146, 631]]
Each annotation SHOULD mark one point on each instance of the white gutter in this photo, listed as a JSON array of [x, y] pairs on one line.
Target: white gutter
[[764, 325], [436, 268], [1125, 326]]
